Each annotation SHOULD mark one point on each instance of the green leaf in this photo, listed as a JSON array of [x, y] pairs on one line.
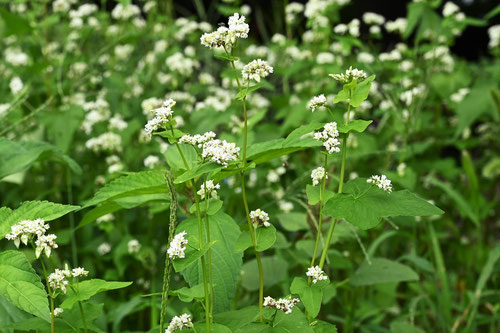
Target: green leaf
[[355, 125], [19, 156], [265, 238], [30, 210], [274, 268], [293, 221], [476, 103], [87, 289], [21, 286], [382, 270], [187, 295], [310, 296], [237, 319], [12, 24], [313, 194], [210, 168], [214, 205], [214, 328], [361, 92], [172, 138], [175, 160], [226, 264], [224, 56], [191, 255], [9, 313], [342, 96], [492, 13], [245, 91], [364, 205], [324, 327], [133, 184], [403, 327], [296, 135]]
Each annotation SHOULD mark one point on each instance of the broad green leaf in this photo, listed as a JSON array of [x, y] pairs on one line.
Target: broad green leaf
[[243, 93], [209, 168], [364, 205], [133, 184], [265, 238], [9, 313], [342, 96], [175, 160], [382, 270], [214, 205], [313, 194], [171, 137], [237, 319], [476, 103], [297, 134], [21, 285], [30, 210], [19, 156], [293, 322], [404, 327], [226, 264], [310, 296], [88, 288], [13, 24], [324, 327], [214, 328], [361, 92], [191, 255], [274, 268], [187, 295], [294, 221], [355, 125]]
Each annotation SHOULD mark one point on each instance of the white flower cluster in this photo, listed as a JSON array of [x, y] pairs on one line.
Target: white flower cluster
[[16, 57], [317, 175], [197, 139], [283, 304], [16, 85], [494, 34], [209, 191], [349, 75], [162, 116], [108, 141], [317, 102], [409, 95], [180, 63], [291, 11], [397, 26], [178, 323], [316, 273], [255, 70], [178, 246], [58, 312], [151, 161], [226, 36], [352, 28], [125, 12], [373, 18], [381, 181], [104, 248], [260, 217], [26, 230], [59, 279], [459, 95], [329, 135], [133, 246], [220, 151]]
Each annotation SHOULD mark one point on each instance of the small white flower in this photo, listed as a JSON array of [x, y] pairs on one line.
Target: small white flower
[[79, 271], [16, 85], [25, 230], [238, 26], [317, 102], [133, 246], [151, 161], [58, 279], [45, 243], [255, 70], [381, 182], [259, 217], [349, 75], [104, 248], [162, 117], [178, 246], [316, 273], [58, 312], [220, 151], [450, 8], [178, 323], [283, 304], [209, 191], [318, 175], [329, 135]]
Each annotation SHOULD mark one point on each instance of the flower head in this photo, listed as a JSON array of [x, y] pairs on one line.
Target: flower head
[[25, 230], [133, 246], [283, 304], [178, 323], [316, 273], [162, 117], [256, 69], [381, 181], [45, 243], [178, 246], [317, 102], [209, 191], [197, 139], [59, 279], [79, 271], [318, 175], [220, 151], [238, 26], [259, 217], [350, 75], [58, 312], [329, 136]]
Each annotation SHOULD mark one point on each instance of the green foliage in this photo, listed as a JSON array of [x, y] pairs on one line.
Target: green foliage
[[88, 288], [265, 238], [380, 270], [310, 296]]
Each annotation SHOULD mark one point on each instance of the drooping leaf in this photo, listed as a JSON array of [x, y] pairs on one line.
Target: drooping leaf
[[21, 285], [361, 92], [310, 296], [186, 294], [382, 270], [357, 125], [364, 205], [265, 238], [226, 264], [88, 288], [30, 210]]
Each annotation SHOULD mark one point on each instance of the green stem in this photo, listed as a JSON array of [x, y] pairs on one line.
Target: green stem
[[320, 219], [244, 196], [341, 184], [200, 235], [82, 313], [209, 252], [52, 316]]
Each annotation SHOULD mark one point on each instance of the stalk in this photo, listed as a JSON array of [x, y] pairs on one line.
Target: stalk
[[320, 219], [52, 316], [200, 235], [209, 252], [341, 184], [244, 196]]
